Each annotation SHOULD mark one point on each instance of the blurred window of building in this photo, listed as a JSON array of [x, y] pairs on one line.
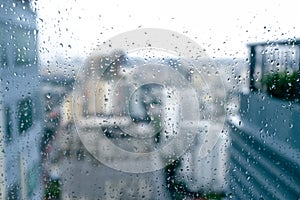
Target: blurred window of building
[[25, 112], [8, 124], [24, 46]]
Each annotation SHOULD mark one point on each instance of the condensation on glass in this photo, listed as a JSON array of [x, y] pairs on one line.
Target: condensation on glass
[[44, 104], [21, 122]]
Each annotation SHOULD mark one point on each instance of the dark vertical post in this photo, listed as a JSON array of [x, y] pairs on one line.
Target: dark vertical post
[[252, 60]]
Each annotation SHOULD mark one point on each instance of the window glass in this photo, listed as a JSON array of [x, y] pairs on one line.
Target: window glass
[[8, 124], [182, 100], [3, 45], [25, 115], [24, 46], [13, 192]]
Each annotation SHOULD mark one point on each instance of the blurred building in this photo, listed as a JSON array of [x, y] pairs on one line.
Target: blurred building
[[264, 151], [21, 123], [105, 95]]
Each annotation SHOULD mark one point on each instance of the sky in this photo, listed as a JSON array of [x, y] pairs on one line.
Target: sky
[[73, 28]]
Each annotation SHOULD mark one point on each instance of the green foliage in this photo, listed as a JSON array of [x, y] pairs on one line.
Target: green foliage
[[53, 190], [283, 84]]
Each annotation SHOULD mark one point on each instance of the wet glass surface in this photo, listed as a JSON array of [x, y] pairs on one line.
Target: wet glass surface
[[149, 100]]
